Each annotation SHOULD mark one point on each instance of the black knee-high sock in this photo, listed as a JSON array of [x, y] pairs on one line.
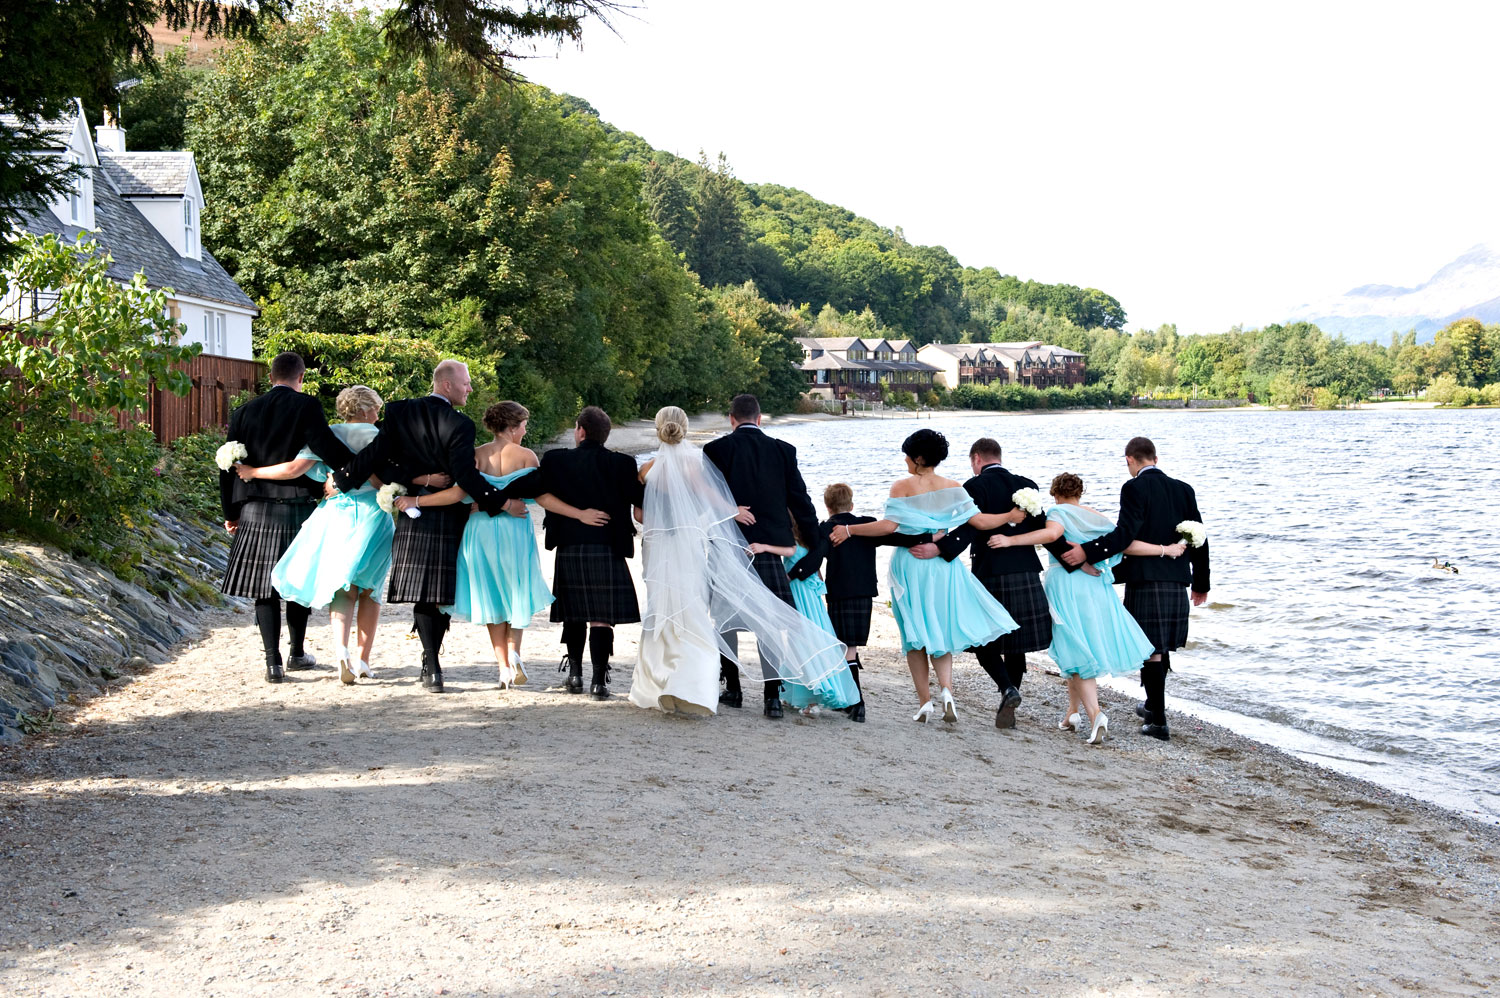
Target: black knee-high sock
[[431, 624], [854, 671], [1015, 667], [729, 671], [601, 647], [296, 626], [1154, 680], [268, 620], [773, 689], [574, 634]]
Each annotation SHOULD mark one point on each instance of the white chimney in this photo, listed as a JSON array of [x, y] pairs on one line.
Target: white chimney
[[110, 137]]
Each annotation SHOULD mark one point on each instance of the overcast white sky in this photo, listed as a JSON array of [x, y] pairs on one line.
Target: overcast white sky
[[1206, 164]]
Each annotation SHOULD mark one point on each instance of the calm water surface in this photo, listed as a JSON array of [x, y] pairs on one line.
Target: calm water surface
[[1328, 633]]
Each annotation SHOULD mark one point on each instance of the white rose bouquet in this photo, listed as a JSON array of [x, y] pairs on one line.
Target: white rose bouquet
[[386, 497], [228, 453], [1195, 533], [1028, 499]]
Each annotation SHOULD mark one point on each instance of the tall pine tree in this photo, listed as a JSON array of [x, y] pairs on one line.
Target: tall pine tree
[[717, 250], [667, 205]]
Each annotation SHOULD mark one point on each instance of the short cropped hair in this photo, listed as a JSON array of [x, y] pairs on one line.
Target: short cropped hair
[[985, 447], [1141, 448], [839, 498], [594, 422], [744, 408], [1066, 486], [356, 400], [926, 447], [287, 366], [503, 416]]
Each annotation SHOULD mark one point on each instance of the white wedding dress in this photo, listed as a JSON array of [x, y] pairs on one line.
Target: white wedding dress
[[699, 585]]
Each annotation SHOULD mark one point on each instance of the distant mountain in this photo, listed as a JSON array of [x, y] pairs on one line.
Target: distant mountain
[[1469, 286]]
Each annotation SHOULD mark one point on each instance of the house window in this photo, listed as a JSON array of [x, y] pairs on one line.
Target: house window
[[189, 237], [75, 194], [222, 340]]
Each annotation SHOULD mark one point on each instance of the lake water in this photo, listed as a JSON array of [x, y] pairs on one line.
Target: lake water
[[1328, 633]]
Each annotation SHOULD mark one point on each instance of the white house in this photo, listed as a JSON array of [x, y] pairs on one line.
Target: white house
[[144, 208]]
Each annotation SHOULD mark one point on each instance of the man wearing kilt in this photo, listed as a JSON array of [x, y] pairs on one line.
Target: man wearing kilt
[[1151, 506], [264, 515], [1012, 575], [762, 475], [591, 585], [420, 438]]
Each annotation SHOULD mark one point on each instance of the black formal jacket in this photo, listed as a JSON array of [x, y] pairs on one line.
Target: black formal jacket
[[589, 476], [992, 490], [420, 437], [274, 427], [1151, 506], [762, 474], [851, 565]]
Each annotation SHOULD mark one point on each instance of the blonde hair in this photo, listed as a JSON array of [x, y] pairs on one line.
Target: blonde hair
[[356, 400], [839, 498], [671, 425]]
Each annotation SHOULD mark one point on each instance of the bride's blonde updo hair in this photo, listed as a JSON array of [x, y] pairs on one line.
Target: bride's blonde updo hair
[[671, 425]]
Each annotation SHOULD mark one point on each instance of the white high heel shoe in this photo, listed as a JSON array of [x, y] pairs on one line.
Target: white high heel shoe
[[924, 713], [950, 710], [346, 672], [363, 670], [520, 668], [1101, 729]]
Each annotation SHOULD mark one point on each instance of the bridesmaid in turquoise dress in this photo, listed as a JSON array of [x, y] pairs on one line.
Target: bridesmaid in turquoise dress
[[342, 554], [838, 689], [1092, 633], [500, 581], [939, 606]]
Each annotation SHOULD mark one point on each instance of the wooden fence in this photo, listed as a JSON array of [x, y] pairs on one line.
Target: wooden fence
[[216, 383]]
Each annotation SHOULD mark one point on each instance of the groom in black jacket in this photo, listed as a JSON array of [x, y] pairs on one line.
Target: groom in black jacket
[[767, 486], [420, 437], [1011, 574], [263, 515], [1151, 507]]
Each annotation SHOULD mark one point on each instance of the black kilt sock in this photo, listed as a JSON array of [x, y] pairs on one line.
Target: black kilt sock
[[992, 661], [1015, 667], [601, 647], [854, 671], [431, 624], [1154, 680], [773, 689], [268, 620], [730, 673], [296, 625], [574, 635]]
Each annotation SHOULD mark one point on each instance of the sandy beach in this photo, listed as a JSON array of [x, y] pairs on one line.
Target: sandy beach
[[199, 832]]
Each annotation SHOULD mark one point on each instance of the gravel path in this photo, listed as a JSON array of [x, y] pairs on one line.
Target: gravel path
[[199, 832]]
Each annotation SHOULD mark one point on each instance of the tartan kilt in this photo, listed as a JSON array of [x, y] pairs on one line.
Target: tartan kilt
[[1023, 597], [266, 530], [591, 583], [772, 571], [424, 556], [851, 619], [1161, 608]]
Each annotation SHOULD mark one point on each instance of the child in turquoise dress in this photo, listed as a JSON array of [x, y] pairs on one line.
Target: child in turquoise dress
[[1093, 634], [940, 608]]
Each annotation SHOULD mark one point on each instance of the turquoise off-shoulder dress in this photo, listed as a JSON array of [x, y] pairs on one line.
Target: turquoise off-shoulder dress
[[346, 542], [939, 606], [1093, 634], [499, 572], [837, 689]]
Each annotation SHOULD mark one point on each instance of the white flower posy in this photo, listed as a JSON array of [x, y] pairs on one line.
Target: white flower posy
[[1195, 533], [386, 497], [229, 453], [1028, 499]]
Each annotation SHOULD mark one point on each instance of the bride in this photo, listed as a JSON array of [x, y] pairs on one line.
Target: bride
[[699, 584]]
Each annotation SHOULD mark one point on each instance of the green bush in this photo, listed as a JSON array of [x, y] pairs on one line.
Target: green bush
[[189, 481], [1491, 393], [1021, 398], [1442, 388], [932, 399], [1324, 398]]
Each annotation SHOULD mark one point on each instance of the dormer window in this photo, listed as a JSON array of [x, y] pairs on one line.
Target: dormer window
[[75, 194], [189, 228]]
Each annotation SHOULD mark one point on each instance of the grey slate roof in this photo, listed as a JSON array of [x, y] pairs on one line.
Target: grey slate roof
[[136, 246], [135, 174], [54, 133]]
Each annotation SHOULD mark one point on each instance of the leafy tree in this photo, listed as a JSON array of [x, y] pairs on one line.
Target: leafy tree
[[1471, 350], [717, 250], [155, 112], [668, 206]]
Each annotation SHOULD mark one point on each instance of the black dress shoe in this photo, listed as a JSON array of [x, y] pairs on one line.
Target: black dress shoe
[[1156, 731], [1140, 710], [599, 691], [857, 713], [273, 672], [426, 678], [435, 679], [1005, 717], [735, 700], [575, 682], [298, 663], [773, 708]]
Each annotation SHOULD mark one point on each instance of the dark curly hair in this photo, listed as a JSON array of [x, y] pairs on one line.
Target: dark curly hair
[[926, 447], [1067, 486]]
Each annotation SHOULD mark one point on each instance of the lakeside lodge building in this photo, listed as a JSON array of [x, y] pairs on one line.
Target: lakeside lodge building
[[841, 367], [1033, 364]]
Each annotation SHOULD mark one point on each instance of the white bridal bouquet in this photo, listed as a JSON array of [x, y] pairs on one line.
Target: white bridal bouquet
[[228, 453], [1195, 533], [386, 497], [1028, 499]]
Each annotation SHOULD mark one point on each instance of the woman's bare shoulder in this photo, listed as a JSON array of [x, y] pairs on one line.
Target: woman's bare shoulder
[[645, 469], [901, 488]]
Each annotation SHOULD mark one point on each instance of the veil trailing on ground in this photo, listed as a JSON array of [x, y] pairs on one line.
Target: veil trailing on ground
[[699, 582]]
